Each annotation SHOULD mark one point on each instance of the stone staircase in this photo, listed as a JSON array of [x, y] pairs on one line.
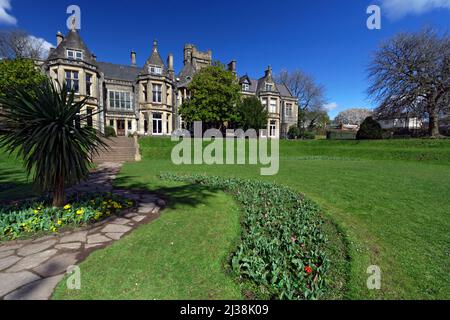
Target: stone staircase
[[121, 149]]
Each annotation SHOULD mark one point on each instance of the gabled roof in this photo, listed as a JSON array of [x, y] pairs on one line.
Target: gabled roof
[[118, 72], [186, 75], [72, 41], [154, 60]]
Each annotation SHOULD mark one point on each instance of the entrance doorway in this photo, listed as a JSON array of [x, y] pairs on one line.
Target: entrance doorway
[[121, 128]]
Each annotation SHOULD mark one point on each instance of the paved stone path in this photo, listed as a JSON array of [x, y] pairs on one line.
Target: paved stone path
[[31, 269]]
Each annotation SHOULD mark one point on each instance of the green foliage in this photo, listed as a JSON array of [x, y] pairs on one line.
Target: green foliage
[[110, 132], [215, 97], [19, 73], [252, 114], [281, 254], [46, 130], [28, 218], [294, 132], [308, 135], [370, 130]]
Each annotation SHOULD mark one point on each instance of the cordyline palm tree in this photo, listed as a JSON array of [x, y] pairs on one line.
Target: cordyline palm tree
[[44, 126]]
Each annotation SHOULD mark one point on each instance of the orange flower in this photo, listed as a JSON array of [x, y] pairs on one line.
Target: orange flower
[[308, 270]]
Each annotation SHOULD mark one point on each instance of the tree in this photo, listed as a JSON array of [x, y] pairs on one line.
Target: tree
[[48, 132], [370, 130], [310, 95], [410, 74], [353, 116], [214, 98], [17, 44], [317, 120], [19, 73], [252, 114]]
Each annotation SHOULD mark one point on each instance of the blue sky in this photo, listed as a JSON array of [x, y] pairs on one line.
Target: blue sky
[[327, 38]]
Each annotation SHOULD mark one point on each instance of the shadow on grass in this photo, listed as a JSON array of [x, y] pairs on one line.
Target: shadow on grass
[[14, 185], [183, 194]]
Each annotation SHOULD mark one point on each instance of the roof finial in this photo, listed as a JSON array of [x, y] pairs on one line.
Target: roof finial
[[155, 45], [73, 24]]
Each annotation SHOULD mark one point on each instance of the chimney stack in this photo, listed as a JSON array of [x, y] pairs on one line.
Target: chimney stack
[[170, 66], [232, 66], [133, 58], [59, 38]]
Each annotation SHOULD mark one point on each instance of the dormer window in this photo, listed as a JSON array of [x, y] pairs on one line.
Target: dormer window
[[245, 87], [74, 55], [269, 87], [155, 70]]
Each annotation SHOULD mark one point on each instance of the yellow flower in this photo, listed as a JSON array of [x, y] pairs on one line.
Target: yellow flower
[[53, 229], [67, 207], [36, 211], [60, 223], [80, 212]]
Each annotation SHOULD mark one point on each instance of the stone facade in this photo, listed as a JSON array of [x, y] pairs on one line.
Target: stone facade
[[146, 100]]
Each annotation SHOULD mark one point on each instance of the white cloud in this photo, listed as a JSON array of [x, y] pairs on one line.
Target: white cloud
[[399, 8], [5, 17], [331, 106], [44, 45]]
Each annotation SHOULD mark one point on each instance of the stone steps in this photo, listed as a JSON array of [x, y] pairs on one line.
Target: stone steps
[[121, 149]]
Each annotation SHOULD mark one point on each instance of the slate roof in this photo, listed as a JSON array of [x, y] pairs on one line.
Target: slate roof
[[154, 60], [254, 84], [119, 72], [186, 75], [72, 41]]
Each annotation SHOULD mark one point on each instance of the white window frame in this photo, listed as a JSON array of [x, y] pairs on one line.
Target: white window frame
[[245, 87], [156, 94], [288, 111], [123, 100], [76, 54], [272, 129], [71, 80], [269, 87], [155, 70], [273, 106], [160, 124]]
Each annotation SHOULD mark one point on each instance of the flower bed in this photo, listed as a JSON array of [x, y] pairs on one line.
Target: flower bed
[[28, 218], [281, 252]]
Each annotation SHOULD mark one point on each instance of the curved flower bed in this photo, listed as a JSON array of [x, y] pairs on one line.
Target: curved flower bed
[[32, 217], [281, 253]]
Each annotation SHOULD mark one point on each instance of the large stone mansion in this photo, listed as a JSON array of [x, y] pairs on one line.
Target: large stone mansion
[[145, 100]]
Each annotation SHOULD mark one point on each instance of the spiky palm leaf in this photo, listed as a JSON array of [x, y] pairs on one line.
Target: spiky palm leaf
[[45, 128]]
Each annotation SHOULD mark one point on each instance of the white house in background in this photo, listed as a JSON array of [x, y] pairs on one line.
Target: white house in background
[[411, 123]]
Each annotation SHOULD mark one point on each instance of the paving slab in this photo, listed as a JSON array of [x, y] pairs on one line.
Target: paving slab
[[75, 237], [13, 281], [115, 228], [69, 246], [114, 236], [57, 265], [97, 238], [8, 262], [38, 290], [32, 261], [35, 248], [8, 247], [5, 254], [139, 218]]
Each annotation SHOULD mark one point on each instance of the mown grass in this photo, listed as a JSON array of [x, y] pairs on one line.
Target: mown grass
[[389, 199]]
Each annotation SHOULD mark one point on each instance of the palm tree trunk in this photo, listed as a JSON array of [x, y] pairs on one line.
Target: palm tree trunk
[[59, 196]]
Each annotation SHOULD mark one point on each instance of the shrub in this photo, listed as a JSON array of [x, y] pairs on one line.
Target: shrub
[[110, 132], [294, 132], [370, 130], [28, 218], [308, 135], [280, 254]]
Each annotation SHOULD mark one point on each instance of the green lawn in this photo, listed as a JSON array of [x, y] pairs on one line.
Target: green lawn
[[390, 198]]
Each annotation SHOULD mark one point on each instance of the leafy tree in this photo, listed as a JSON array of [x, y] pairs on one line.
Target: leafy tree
[[410, 74], [19, 73], [253, 115], [46, 129], [294, 132], [370, 130], [215, 97]]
